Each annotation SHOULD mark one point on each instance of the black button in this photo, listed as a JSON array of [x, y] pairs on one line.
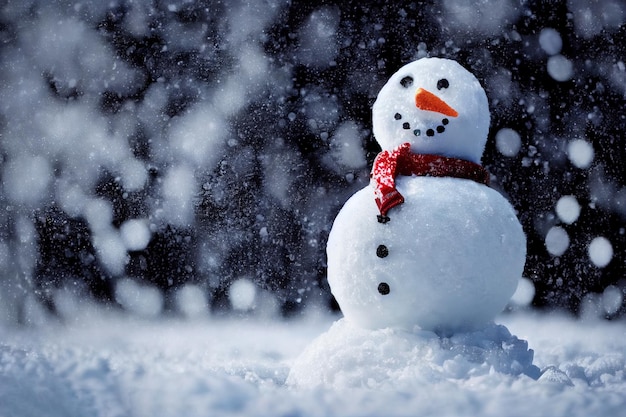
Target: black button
[[383, 288], [382, 219], [382, 251]]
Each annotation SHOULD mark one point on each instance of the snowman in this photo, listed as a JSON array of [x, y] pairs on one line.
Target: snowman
[[428, 245], [428, 250]]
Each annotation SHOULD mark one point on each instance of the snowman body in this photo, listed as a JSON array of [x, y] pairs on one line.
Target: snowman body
[[419, 251], [449, 259]]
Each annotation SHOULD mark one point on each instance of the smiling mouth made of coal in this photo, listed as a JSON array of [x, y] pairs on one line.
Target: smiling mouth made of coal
[[429, 132]]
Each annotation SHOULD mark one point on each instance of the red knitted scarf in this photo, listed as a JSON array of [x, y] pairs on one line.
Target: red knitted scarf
[[401, 161]]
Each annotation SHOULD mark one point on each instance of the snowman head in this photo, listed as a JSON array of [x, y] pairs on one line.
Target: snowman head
[[437, 106]]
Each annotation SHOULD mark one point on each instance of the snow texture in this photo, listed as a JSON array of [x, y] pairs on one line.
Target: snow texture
[[580, 152], [600, 251], [568, 209], [348, 356], [469, 257], [550, 41], [557, 241], [101, 364], [560, 68], [508, 142]]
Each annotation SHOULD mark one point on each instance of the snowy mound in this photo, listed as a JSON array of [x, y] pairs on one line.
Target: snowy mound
[[347, 356], [119, 367]]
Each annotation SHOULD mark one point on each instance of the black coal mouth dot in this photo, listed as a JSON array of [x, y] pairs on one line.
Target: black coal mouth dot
[[440, 128]]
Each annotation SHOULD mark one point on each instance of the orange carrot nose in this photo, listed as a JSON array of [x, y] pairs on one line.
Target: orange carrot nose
[[425, 100]]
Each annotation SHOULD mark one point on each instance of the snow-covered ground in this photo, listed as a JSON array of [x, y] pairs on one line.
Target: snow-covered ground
[[108, 365]]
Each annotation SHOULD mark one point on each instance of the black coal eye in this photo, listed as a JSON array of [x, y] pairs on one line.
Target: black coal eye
[[406, 82], [442, 83], [383, 288]]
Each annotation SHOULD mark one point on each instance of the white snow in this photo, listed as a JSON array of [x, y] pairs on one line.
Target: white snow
[[346, 146], [133, 174], [178, 189], [612, 299], [192, 301], [70, 198], [600, 251], [590, 18], [198, 136], [111, 250], [482, 18], [242, 294], [103, 365], [568, 209], [348, 357], [98, 213], [508, 142], [550, 41], [580, 153], [140, 299], [135, 234], [557, 241], [25, 179], [468, 257], [560, 68], [318, 38]]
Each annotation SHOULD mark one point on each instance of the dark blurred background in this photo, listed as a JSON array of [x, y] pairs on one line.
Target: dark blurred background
[[156, 152]]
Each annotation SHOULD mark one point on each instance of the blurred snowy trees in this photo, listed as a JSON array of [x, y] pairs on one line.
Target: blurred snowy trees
[[155, 152]]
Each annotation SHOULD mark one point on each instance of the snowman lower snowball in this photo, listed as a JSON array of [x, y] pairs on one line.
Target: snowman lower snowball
[[423, 259]]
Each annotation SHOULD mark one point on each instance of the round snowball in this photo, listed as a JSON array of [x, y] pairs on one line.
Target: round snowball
[[580, 153], [508, 142], [550, 41], [612, 299], [560, 68], [242, 294], [557, 241], [600, 251], [135, 234], [568, 209], [191, 301]]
